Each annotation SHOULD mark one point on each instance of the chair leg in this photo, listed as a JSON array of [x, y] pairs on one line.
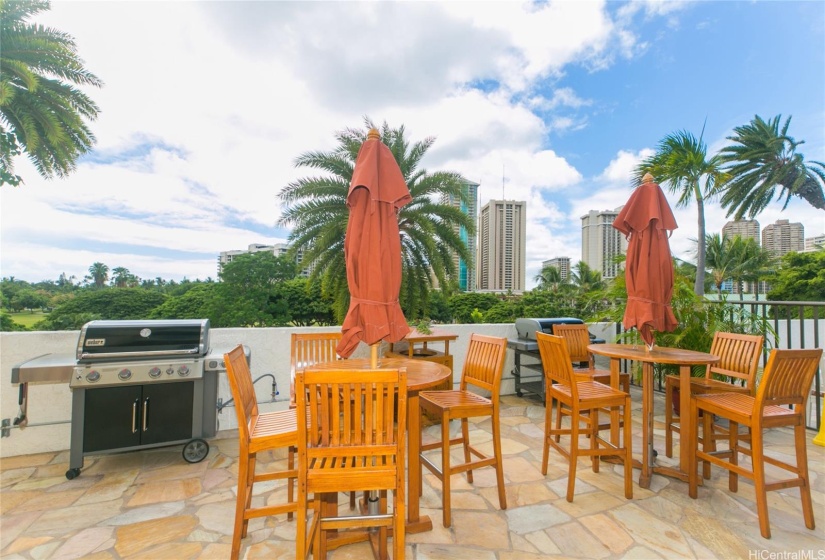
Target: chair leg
[[502, 495], [628, 457], [301, 527], [574, 453], [733, 445], [382, 531], [465, 441], [399, 526], [759, 482], [240, 504], [548, 423], [445, 469], [693, 449], [669, 418], [708, 441], [558, 420], [290, 482], [594, 438], [250, 477], [802, 467]]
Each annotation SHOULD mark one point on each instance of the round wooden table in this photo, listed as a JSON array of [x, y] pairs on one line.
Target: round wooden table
[[421, 375], [659, 355]]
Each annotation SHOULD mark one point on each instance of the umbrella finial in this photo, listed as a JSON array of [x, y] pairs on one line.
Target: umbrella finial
[[648, 178], [373, 134]]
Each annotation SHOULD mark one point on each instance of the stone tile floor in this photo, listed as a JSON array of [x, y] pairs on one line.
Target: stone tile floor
[[152, 505]]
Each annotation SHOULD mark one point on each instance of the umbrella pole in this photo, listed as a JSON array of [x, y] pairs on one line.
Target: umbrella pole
[[374, 355]]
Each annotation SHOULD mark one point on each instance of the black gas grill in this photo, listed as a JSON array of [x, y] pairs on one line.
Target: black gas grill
[[529, 374], [135, 385]]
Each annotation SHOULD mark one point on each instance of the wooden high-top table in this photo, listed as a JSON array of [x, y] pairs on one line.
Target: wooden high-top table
[[421, 375], [659, 355]]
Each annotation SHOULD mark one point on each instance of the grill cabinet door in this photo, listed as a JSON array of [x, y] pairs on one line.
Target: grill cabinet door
[[167, 408], [109, 415]]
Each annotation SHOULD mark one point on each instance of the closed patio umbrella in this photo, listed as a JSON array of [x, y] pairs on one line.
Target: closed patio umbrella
[[647, 221], [372, 249]]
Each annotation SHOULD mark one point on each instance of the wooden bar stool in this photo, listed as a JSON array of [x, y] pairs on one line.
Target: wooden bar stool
[[578, 397], [256, 433], [483, 368], [351, 443], [735, 372], [786, 382]]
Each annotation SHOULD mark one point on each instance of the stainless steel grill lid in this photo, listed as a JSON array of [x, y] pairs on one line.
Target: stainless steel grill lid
[[107, 340]]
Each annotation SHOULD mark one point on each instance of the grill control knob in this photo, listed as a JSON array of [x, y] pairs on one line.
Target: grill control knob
[[183, 371], [170, 370], [154, 373], [93, 376], [124, 374]]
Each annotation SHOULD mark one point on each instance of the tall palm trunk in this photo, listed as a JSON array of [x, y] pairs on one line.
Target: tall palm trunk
[[699, 284]]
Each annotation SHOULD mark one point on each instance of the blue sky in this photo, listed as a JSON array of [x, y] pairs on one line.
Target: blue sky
[[207, 104]]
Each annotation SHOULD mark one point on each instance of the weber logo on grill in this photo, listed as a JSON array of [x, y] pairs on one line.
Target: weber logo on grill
[[95, 342]]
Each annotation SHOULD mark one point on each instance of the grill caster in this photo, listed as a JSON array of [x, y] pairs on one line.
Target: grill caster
[[194, 451], [72, 473]]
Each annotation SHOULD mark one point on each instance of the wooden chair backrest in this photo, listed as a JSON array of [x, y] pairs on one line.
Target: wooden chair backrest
[[484, 364], [577, 338], [351, 413], [308, 349], [243, 392], [739, 355], [556, 362], [787, 379]]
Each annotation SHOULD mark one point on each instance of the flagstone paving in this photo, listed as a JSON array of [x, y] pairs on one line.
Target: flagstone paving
[[152, 505]]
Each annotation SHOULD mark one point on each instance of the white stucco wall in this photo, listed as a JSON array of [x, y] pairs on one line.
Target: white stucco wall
[[270, 349]]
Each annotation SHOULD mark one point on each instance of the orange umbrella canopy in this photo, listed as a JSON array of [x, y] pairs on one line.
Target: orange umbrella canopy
[[646, 220], [372, 248]]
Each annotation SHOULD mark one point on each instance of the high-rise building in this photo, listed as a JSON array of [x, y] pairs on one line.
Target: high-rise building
[[602, 243], [466, 270], [502, 241], [814, 243], [746, 229], [562, 263], [783, 237]]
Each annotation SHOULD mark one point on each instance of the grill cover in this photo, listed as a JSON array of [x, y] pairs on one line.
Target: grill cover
[[106, 340], [526, 328]]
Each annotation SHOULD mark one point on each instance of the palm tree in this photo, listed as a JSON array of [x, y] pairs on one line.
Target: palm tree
[[99, 274], [41, 111], [550, 278], [315, 208], [753, 263], [718, 258], [762, 158], [585, 278], [681, 162]]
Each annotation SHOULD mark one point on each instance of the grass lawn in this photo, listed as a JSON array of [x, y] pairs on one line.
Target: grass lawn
[[27, 318]]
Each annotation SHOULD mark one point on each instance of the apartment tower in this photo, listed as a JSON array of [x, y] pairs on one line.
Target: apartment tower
[[783, 237], [502, 241], [601, 243], [746, 229], [466, 270]]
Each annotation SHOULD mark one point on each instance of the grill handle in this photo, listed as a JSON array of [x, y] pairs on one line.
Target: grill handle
[[108, 355], [134, 416], [145, 412]]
